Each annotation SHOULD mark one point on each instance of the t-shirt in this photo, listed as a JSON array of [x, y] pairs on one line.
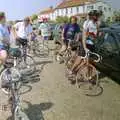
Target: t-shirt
[[45, 29], [23, 31], [4, 34], [90, 27], [70, 31]]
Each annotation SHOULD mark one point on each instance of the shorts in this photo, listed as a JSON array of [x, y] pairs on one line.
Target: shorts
[[2, 47], [66, 42], [20, 41], [91, 47], [90, 44], [46, 38]]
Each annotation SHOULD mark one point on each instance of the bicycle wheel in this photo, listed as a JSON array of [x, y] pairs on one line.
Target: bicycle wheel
[[9, 75], [42, 50], [26, 64], [19, 114], [87, 79]]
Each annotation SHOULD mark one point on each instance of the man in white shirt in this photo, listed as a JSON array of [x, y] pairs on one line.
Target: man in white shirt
[[22, 31], [45, 30]]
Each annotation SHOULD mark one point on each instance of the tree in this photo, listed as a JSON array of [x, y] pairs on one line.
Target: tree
[[116, 16], [61, 19], [34, 17]]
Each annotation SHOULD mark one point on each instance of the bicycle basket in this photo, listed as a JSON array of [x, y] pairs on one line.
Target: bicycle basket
[[15, 52]]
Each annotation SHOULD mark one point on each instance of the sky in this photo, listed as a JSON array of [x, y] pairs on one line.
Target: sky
[[18, 9]]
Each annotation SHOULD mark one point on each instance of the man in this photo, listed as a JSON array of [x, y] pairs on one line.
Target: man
[[45, 29], [22, 31], [70, 32], [4, 38]]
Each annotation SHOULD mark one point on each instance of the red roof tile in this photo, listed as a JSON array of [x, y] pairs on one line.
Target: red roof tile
[[72, 3], [47, 11]]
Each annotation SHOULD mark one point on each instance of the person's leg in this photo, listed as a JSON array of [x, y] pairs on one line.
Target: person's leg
[[76, 63], [64, 47], [3, 56]]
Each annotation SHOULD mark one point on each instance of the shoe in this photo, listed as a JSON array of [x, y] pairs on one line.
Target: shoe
[[5, 90]]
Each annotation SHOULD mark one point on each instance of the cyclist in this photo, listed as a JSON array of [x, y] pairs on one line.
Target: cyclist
[[70, 33], [90, 30], [4, 43], [4, 38], [45, 29], [22, 31]]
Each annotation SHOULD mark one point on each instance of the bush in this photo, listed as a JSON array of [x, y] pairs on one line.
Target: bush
[[61, 19]]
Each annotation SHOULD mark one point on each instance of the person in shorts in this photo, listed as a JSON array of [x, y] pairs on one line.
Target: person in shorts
[[22, 31]]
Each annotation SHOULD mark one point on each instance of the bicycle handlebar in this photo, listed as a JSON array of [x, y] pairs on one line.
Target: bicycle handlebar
[[93, 53]]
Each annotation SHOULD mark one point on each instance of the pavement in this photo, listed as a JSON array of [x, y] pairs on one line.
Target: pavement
[[54, 98]]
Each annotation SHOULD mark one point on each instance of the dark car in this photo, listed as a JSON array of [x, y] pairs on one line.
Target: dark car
[[108, 46]]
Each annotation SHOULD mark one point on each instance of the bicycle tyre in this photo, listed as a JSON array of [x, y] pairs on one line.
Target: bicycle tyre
[[19, 114], [89, 84], [27, 67], [4, 77]]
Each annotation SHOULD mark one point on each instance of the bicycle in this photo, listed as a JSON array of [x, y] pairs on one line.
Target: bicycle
[[25, 61], [12, 78], [66, 55], [88, 76], [38, 47]]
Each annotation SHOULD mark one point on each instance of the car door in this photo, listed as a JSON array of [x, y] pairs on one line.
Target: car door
[[110, 52]]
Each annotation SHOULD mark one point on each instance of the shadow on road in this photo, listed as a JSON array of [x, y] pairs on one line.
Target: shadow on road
[[34, 111]]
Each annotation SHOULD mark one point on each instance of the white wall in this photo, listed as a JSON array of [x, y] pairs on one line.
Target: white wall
[[82, 9]]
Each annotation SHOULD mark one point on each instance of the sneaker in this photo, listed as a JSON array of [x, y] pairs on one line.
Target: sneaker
[[5, 90]]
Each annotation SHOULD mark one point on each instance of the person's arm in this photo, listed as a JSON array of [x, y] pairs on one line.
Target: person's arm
[[64, 31], [78, 33], [84, 37], [84, 34], [14, 29]]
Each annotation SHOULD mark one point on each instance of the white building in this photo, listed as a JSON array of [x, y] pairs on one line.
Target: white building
[[46, 14], [77, 8]]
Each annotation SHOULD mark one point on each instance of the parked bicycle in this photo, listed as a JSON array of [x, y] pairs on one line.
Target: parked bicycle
[[11, 84], [26, 62], [87, 76], [38, 47]]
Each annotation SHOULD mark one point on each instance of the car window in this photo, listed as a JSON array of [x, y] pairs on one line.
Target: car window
[[109, 42]]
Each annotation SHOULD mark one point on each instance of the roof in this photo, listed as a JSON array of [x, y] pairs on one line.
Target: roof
[[47, 11], [72, 3]]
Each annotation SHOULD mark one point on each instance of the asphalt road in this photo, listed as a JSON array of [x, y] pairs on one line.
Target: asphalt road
[[54, 98]]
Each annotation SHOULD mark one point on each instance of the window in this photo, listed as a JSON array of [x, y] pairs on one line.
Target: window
[[91, 7], [100, 7], [66, 11], [71, 10], [109, 9], [77, 9], [109, 42], [105, 9]]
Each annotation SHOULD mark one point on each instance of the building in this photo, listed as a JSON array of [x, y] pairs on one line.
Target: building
[[82, 7], [46, 14], [78, 8]]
